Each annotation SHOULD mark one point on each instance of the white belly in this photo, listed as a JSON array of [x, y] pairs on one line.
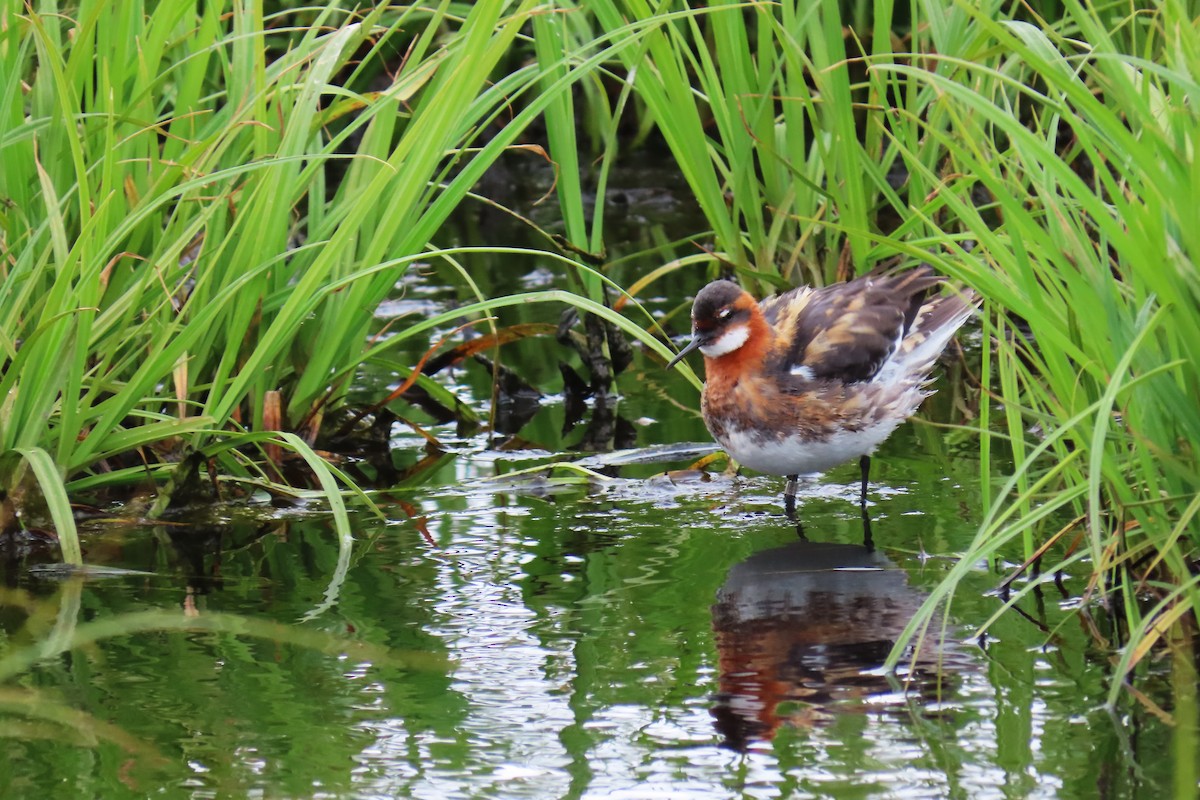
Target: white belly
[[793, 456]]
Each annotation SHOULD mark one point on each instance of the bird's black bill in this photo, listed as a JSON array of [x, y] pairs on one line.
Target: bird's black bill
[[692, 345]]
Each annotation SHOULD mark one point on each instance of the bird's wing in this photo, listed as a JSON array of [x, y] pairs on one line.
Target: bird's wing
[[847, 331]]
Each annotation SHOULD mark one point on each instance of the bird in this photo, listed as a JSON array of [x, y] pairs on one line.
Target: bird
[[812, 378]]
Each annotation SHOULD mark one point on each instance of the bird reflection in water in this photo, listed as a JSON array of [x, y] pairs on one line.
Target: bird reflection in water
[[802, 632]]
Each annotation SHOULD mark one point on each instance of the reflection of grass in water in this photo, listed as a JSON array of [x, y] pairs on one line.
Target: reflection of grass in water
[[27, 714], [52, 628]]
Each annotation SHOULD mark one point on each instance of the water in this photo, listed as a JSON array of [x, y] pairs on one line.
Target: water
[[643, 636], [646, 631]]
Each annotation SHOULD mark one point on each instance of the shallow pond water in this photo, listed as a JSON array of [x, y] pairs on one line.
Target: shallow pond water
[[649, 635], [645, 631]]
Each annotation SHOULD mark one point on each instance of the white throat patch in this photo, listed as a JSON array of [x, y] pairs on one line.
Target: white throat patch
[[727, 342]]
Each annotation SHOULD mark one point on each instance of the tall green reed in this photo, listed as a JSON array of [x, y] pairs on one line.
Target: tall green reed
[[203, 209], [172, 248], [1081, 135], [778, 128]]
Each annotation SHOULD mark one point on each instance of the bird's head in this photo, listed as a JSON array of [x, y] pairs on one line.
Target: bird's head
[[720, 320]]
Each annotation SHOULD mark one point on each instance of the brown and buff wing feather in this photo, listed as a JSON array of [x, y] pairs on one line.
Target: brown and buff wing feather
[[847, 331]]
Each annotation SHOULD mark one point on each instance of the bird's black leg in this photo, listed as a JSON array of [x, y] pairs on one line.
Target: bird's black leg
[[864, 464], [789, 503], [789, 496]]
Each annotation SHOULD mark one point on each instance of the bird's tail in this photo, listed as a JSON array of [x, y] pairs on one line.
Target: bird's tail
[[931, 331]]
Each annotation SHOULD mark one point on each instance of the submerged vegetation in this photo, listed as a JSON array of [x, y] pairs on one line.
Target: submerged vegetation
[[201, 209]]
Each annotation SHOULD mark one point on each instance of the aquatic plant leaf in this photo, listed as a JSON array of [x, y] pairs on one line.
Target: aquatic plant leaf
[[487, 341], [654, 454], [54, 493]]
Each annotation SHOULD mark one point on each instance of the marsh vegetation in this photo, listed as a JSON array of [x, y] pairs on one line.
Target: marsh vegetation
[[336, 296]]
